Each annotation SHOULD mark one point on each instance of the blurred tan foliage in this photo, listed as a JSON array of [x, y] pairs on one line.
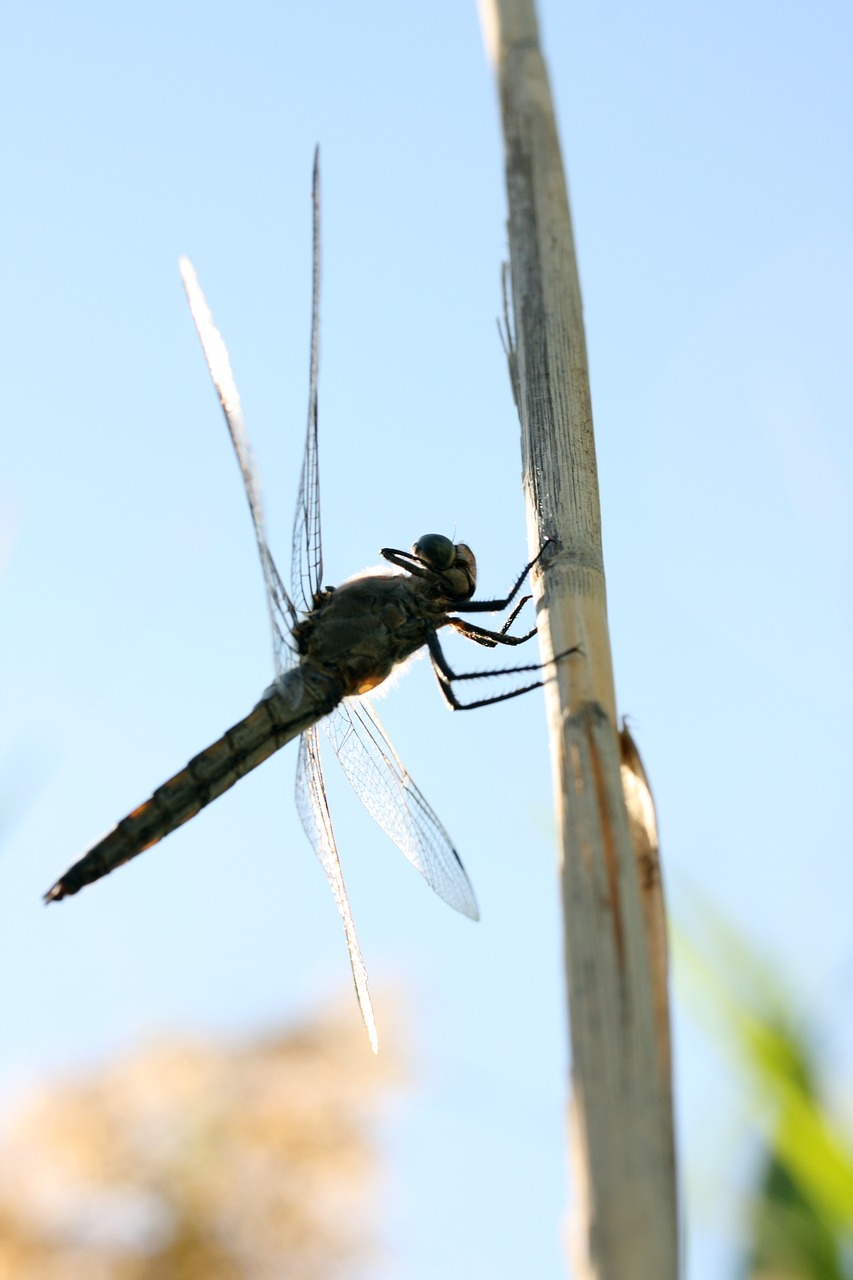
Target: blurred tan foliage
[[195, 1160]]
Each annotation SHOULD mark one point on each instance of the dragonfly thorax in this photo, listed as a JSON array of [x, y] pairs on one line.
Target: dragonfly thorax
[[360, 631]]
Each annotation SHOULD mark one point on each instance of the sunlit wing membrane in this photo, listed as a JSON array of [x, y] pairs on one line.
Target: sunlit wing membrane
[[281, 610], [313, 811], [391, 798], [306, 568]]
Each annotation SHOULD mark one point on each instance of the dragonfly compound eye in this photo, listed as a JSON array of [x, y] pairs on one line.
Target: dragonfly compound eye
[[435, 550]]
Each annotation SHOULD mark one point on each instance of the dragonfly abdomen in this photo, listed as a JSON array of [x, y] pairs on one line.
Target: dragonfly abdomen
[[283, 713]]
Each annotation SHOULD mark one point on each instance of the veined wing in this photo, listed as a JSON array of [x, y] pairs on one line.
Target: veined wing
[[281, 610], [306, 566], [391, 798], [313, 811]]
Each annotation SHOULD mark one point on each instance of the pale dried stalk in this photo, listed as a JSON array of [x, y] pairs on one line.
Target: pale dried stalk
[[625, 1223]]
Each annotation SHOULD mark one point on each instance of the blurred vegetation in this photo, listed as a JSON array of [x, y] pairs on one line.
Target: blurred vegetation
[[195, 1161], [798, 1221]]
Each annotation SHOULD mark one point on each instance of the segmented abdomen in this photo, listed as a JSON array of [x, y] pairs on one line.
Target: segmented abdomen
[[271, 724]]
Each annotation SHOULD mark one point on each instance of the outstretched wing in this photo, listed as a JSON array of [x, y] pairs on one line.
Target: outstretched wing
[[306, 568], [281, 610], [313, 811], [391, 798]]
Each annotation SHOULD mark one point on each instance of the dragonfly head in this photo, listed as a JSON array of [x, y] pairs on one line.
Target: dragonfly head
[[449, 567], [454, 561]]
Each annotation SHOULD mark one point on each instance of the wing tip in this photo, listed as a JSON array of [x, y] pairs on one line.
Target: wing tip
[[187, 270], [470, 909]]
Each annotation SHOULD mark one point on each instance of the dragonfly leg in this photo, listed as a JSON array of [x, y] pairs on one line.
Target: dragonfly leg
[[494, 606], [481, 635], [446, 677], [512, 617]]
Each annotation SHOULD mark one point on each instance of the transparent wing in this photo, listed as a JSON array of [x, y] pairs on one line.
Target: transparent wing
[[281, 610], [313, 811], [307, 560], [391, 798]]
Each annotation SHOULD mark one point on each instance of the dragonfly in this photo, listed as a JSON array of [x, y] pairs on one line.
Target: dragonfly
[[332, 646]]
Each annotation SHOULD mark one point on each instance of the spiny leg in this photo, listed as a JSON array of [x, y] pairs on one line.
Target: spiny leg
[[512, 617], [481, 635], [446, 677], [494, 606], [490, 638], [455, 705]]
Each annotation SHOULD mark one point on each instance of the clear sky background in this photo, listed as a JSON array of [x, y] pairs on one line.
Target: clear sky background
[[708, 156]]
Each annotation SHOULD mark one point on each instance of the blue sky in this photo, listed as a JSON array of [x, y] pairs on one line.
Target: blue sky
[[708, 159]]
